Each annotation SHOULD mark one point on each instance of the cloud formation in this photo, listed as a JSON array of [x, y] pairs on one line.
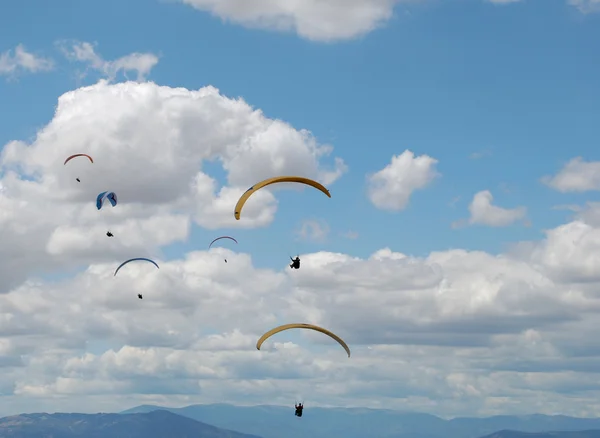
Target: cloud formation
[[11, 64], [139, 63], [516, 331], [324, 20], [483, 212], [148, 144], [391, 187], [577, 175]]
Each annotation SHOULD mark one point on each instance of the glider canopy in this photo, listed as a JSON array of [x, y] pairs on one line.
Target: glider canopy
[[281, 328], [78, 155], [132, 260], [222, 237], [279, 179], [111, 196]]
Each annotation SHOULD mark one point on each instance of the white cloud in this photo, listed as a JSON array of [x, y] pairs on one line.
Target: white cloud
[[517, 331], [148, 144], [323, 20], [391, 187], [576, 176], [313, 230], [22, 60], [316, 20], [139, 63], [513, 330], [483, 212]]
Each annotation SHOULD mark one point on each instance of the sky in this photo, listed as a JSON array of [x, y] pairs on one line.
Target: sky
[[458, 255]]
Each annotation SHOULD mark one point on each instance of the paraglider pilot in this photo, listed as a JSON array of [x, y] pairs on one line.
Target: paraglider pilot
[[295, 263], [299, 408], [109, 234], [140, 296]]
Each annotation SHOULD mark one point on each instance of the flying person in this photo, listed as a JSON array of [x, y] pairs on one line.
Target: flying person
[[295, 263], [299, 408], [109, 234], [78, 155], [140, 296]]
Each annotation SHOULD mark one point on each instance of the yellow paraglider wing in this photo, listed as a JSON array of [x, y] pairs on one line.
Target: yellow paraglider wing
[[278, 179], [281, 328]]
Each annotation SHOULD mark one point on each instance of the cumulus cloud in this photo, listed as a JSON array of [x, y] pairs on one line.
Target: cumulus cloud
[[517, 331], [483, 212], [577, 175], [508, 327], [149, 143], [23, 61], [568, 254], [391, 187], [316, 20], [139, 63], [323, 20]]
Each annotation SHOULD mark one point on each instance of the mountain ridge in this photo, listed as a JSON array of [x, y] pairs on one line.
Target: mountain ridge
[[155, 424], [269, 420]]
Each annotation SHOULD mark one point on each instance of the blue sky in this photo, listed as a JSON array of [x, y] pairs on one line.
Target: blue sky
[[499, 95]]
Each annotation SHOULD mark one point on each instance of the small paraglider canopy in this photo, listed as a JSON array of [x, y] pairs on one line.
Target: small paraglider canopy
[[281, 328], [278, 179], [222, 237], [133, 260], [111, 196], [78, 155]]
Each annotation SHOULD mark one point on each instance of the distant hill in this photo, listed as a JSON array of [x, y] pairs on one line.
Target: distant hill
[[156, 424], [278, 421], [515, 434]]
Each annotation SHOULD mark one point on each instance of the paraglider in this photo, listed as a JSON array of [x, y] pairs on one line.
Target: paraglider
[[295, 263], [281, 328], [133, 260], [279, 179], [111, 196], [299, 408], [222, 237], [78, 155]]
